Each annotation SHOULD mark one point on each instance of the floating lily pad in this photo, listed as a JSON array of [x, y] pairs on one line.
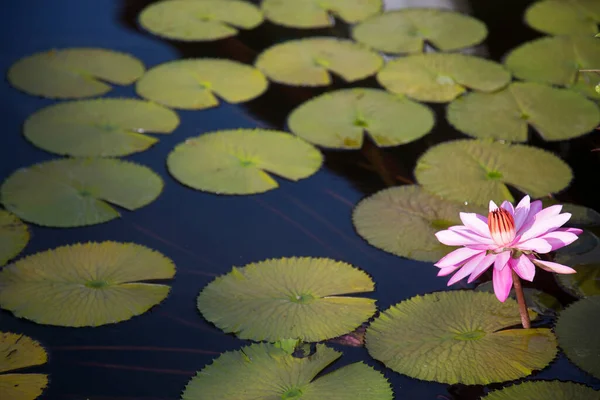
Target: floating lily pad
[[204, 20], [555, 390], [314, 13], [564, 17], [556, 114], [441, 77], [477, 171], [99, 127], [581, 216], [585, 250], [576, 329], [407, 30], [403, 220], [288, 298], [263, 371], [585, 283], [459, 337], [338, 119], [237, 161], [74, 72], [76, 192], [308, 62], [86, 284], [194, 84], [538, 301], [17, 352], [557, 60], [14, 236]]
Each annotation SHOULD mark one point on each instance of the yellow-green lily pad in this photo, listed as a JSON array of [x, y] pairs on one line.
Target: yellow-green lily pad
[[74, 72], [564, 17], [407, 30], [441, 77], [339, 119], [555, 390], [14, 236], [18, 352], [309, 62], [238, 161], [204, 20], [556, 114], [585, 283], [195, 84]]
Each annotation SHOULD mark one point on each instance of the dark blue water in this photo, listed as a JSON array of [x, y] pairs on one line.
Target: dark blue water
[[154, 355]]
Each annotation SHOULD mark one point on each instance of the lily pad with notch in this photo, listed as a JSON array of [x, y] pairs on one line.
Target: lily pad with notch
[[195, 21], [73, 192], [99, 127], [459, 336], [339, 119], [477, 171], [309, 62], [441, 77], [564, 17], [555, 390], [194, 84], [85, 284], [408, 30], [289, 298], [264, 371], [14, 236], [74, 72], [556, 114], [238, 161], [17, 352]]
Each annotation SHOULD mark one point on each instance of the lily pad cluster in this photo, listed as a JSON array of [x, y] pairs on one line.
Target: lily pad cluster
[[16, 353]]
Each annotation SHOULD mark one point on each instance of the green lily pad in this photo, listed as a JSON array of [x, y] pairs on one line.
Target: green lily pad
[[407, 30], [477, 171], [556, 114], [237, 161], [308, 62], [555, 390], [585, 250], [194, 84], [538, 301], [441, 77], [459, 337], [74, 72], [315, 13], [263, 371], [564, 17], [557, 60], [76, 192], [577, 332], [403, 221], [99, 127], [288, 298], [17, 352], [338, 119], [14, 236], [204, 20], [585, 283], [85, 284]]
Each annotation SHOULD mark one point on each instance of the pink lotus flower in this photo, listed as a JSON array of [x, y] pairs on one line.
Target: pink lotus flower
[[510, 239]]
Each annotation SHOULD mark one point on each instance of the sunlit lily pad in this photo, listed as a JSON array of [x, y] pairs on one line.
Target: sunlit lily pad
[[556, 114], [403, 220], [339, 119], [17, 352], [263, 371], [407, 30], [315, 13], [86, 284], [74, 72], [204, 20], [477, 171], [309, 62], [238, 161], [441, 77], [564, 17], [14, 236], [585, 283], [76, 192], [99, 127], [540, 302], [195, 84], [577, 332], [555, 390], [289, 298], [459, 337]]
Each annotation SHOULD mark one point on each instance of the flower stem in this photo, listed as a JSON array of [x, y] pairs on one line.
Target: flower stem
[[521, 300]]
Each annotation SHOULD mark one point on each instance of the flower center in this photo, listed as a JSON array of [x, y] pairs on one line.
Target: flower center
[[502, 226]]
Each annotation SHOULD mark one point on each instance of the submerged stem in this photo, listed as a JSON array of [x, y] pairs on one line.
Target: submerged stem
[[521, 300]]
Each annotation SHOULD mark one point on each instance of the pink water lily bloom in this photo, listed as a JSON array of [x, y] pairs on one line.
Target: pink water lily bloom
[[510, 239]]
